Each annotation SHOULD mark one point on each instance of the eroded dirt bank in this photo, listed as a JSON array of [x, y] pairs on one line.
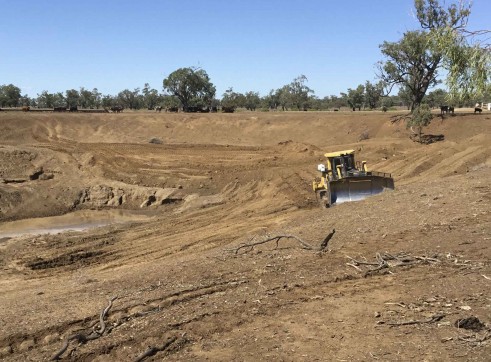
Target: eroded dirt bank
[[400, 271]]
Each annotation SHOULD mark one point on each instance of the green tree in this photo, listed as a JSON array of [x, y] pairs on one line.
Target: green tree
[[465, 55], [72, 97], [284, 97], [26, 101], [129, 99], [252, 100], [9, 95], [443, 43], [271, 101], [411, 64], [107, 101], [421, 117], [231, 99], [51, 100], [96, 99], [150, 96], [338, 101], [299, 92], [320, 104], [59, 99], [90, 98], [190, 85], [356, 97], [45, 100], [373, 94], [343, 100], [436, 98], [170, 101]]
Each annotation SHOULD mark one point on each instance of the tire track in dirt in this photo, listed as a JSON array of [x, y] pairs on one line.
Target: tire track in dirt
[[127, 314]]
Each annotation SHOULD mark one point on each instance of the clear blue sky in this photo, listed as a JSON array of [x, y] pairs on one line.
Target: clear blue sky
[[250, 45]]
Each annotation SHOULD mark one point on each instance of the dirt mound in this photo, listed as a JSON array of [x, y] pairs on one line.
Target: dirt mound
[[297, 147]]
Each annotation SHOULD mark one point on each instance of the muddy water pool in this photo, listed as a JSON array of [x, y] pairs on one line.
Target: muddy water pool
[[76, 221]]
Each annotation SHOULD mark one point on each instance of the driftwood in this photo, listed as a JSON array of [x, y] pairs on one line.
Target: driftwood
[[277, 238], [83, 338], [151, 351]]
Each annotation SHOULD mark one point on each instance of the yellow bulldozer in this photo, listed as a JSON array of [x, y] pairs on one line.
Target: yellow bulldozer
[[342, 179]]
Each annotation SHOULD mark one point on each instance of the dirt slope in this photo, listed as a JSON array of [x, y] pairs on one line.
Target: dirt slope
[[401, 269]]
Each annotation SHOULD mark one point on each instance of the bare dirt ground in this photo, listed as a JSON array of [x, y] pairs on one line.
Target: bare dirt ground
[[406, 276]]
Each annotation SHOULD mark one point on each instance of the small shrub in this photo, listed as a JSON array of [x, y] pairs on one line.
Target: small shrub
[[156, 141], [420, 117]]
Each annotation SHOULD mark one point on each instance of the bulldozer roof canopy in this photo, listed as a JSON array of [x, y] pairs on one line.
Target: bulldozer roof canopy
[[339, 153]]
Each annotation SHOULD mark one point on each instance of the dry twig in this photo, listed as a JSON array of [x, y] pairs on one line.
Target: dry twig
[[432, 319]]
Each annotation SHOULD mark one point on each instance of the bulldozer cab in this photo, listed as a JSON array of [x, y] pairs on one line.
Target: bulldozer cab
[[341, 164], [344, 163]]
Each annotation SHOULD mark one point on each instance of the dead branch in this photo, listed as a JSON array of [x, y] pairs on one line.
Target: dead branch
[[151, 351], [103, 314], [358, 262], [435, 318], [277, 238], [383, 259], [326, 240], [83, 338]]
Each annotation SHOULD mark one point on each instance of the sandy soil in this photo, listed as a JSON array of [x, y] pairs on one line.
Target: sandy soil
[[402, 269]]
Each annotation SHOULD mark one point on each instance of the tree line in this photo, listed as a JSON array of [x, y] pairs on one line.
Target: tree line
[[294, 96], [411, 65]]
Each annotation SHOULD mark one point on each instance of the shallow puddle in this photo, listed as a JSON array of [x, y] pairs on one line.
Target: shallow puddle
[[76, 221]]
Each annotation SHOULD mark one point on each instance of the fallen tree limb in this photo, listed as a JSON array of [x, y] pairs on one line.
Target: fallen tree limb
[[277, 238], [83, 338], [151, 351], [102, 316], [80, 337]]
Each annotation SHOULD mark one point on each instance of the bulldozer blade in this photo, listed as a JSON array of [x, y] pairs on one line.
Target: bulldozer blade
[[358, 188]]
